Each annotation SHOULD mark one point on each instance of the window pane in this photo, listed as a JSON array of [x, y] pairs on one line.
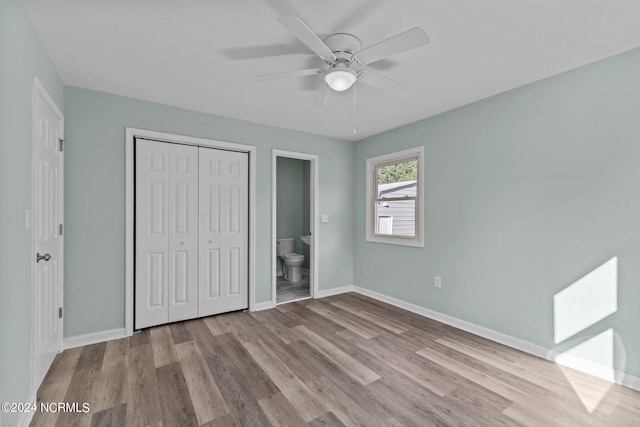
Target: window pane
[[397, 180], [385, 224], [396, 218]]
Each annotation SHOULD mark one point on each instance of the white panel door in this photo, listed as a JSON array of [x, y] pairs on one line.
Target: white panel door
[[223, 231], [166, 232], [47, 221], [183, 232], [152, 238]]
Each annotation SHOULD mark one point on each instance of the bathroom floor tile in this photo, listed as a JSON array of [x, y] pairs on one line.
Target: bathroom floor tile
[[289, 291]]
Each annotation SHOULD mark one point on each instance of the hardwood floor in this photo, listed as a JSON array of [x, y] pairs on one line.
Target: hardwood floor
[[346, 360]]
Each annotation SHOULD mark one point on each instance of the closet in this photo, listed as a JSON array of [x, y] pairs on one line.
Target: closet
[[191, 232]]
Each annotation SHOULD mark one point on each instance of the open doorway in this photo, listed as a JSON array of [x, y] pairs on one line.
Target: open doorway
[[294, 228]]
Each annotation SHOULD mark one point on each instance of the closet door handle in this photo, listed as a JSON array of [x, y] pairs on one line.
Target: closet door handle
[[45, 257], [183, 243]]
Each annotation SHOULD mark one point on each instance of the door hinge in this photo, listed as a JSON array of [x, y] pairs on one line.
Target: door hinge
[[60, 229], [59, 312], [61, 141]]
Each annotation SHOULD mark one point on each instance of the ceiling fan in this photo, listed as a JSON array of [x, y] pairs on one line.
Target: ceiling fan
[[345, 58]]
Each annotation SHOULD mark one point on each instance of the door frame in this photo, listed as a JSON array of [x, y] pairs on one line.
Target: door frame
[[314, 209], [39, 91], [131, 134]]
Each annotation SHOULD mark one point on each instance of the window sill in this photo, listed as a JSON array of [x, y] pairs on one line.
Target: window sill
[[398, 241]]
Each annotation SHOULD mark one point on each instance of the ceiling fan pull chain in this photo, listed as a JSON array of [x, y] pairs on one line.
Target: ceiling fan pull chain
[[324, 98], [355, 86]]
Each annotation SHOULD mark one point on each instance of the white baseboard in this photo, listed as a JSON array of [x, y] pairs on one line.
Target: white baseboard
[[323, 293], [266, 305], [606, 373], [25, 417], [628, 380], [582, 365], [93, 338]]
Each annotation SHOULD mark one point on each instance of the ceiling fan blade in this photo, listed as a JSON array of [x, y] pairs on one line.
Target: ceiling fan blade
[[399, 43], [286, 74], [312, 85], [384, 83], [262, 51], [308, 37]]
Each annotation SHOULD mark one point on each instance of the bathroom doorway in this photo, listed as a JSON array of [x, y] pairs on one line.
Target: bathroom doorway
[[294, 226]]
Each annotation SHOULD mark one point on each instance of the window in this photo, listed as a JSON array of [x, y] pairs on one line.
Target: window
[[394, 198]]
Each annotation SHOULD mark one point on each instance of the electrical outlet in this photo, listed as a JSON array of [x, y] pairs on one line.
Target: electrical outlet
[[437, 281]]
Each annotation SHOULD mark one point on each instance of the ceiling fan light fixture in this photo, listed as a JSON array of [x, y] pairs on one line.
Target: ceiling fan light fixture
[[340, 79]]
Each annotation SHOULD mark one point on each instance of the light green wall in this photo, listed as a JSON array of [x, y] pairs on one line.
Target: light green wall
[[525, 193], [293, 203], [94, 191], [21, 58]]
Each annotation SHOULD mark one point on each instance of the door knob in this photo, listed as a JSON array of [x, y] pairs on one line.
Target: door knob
[[183, 243], [210, 241], [45, 257]]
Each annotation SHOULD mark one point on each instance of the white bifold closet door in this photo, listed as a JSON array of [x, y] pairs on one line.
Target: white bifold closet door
[[166, 232], [191, 232], [224, 207]]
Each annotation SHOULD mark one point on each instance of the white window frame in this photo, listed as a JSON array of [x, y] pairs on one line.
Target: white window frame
[[371, 180]]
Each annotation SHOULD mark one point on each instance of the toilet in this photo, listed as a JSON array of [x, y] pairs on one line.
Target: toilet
[[292, 265]]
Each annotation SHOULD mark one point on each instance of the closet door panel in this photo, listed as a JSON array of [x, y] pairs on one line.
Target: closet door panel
[[191, 232], [223, 231], [183, 232], [152, 211]]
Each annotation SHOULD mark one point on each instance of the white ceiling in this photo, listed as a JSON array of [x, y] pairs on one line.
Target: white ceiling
[[201, 55]]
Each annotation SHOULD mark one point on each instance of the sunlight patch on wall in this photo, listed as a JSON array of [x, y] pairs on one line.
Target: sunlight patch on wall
[[599, 351], [587, 301]]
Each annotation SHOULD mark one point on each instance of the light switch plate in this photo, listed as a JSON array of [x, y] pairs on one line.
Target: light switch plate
[[324, 218]]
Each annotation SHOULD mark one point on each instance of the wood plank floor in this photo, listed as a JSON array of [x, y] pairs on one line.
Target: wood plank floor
[[346, 360]]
